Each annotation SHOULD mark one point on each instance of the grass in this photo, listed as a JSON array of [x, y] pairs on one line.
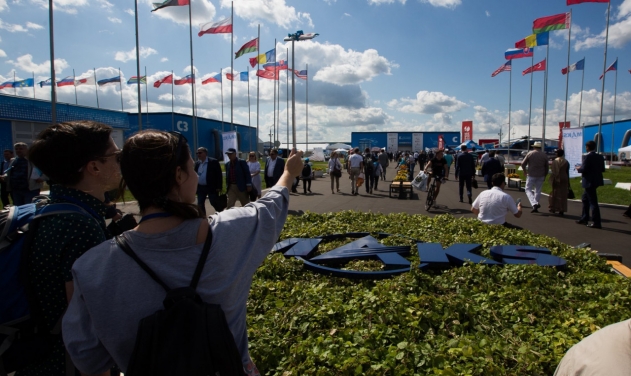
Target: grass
[[607, 194]]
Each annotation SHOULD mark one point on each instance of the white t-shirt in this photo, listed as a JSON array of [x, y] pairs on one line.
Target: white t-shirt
[[605, 352], [355, 160], [494, 204]]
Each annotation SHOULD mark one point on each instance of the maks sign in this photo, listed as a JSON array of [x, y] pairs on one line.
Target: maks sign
[[431, 255]]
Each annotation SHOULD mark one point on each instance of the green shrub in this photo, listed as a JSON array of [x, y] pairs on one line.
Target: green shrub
[[470, 320]]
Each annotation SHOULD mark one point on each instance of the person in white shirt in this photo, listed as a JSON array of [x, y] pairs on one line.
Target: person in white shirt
[[485, 157], [492, 205], [355, 166]]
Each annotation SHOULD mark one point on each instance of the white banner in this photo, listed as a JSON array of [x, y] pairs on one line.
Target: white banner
[[393, 142], [229, 141], [417, 142], [573, 147]]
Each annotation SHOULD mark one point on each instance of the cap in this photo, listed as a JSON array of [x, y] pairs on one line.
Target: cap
[[306, 159], [231, 151]]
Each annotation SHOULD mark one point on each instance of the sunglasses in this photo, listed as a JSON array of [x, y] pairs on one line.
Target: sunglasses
[[117, 154]]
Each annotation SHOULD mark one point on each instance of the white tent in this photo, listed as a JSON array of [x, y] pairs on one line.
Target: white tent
[[338, 146], [624, 153], [318, 155]]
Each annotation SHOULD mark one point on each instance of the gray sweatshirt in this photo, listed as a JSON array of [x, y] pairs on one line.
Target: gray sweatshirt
[[112, 293]]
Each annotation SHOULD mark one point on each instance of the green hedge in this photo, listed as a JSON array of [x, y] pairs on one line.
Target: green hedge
[[471, 320]]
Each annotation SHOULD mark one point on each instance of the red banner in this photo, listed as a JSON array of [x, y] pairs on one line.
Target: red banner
[[467, 131], [441, 142], [561, 126]]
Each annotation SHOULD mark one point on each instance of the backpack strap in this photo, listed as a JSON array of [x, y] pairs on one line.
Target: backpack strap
[[202, 259]]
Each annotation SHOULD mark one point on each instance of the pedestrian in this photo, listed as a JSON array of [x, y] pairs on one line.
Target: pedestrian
[[210, 179], [306, 175], [384, 162], [491, 167], [465, 170], [378, 172], [274, 167], [592, 170], [411, 163], [369, 169], [255, 173], [560, 181], [535, 166], [450, 159], [355, 166], [238, 179], [24, 179], [4, 166], [335, 172]]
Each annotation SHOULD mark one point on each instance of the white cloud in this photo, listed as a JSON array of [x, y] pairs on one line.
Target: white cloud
[[488, 14], [427, 102], [203, 11], [347, 15], [3, 54], [273, 11], [12, 28], [33, 26], [619, 32], [114, 20], [130, 12], [67, 6], [131, 55], [379, 2], [105, 4], [164, 59], [443, 3], [624, 9], [3, 5], [25, 63]]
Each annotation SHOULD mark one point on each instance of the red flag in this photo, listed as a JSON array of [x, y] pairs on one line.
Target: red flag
[[441, 142], [270, 75], [467, 131], [540, 66], [572, 2], [251, 46], [166, 80], [254, 61]]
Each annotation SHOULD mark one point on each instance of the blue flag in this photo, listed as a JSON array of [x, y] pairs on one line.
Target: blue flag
[[24, 83]]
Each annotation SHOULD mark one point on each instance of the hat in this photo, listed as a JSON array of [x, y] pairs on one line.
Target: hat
[[231, 151], [536, 144], [306, 159]]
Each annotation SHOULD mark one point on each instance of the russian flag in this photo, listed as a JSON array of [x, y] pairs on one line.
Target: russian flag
[[185, 80], [66, 81], [301, 74], [239, 76], [518, 53], [7, 84], [215, 78], [280, 65]]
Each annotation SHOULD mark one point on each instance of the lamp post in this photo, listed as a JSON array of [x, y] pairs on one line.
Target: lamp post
[[297, 36]]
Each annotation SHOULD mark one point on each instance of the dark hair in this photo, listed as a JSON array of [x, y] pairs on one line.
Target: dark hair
[[492, 153], [590, 145], [9, 150], [148, 162], [62, 150], [559, 152], [462, 147], [498, 179]]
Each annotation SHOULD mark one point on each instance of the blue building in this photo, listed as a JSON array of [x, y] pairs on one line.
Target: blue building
[[621, 135], [404, 141], [21, 120]]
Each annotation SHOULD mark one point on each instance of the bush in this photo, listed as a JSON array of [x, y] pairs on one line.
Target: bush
[[470, 320]]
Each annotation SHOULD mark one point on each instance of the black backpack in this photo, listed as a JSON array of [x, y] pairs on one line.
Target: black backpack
[[187, 337], [306, 171]]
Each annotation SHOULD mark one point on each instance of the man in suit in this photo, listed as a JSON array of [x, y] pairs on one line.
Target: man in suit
[[274, 167], [491, 167], [238, 179], [592, 171], [465, 170], [4, 165], [210, 179]]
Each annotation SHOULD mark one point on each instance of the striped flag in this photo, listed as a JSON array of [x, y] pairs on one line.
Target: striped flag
[[134, 80], [301, 74], [612, 67], [579, 65], [215, 78], [47, 82], [540, 66], [7, 84], [268, 57], [251, 46], [237, 76], [112, 80], [220, 27], [506, 67], [169, 3]]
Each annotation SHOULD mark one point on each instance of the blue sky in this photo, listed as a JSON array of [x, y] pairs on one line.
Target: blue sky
[[377, 65]]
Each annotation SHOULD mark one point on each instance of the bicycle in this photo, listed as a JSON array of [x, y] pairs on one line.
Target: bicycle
[[431, 191]]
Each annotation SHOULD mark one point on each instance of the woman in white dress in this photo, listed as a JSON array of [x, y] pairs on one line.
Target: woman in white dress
[[255, 172]]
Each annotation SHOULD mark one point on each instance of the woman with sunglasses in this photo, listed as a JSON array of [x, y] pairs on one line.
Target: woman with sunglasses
[[255, 172], [158, 170]]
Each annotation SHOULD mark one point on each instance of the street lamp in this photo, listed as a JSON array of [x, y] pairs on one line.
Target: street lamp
[[298, 36]]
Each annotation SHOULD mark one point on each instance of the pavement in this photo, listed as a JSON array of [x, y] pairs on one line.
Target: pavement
[[614, 237]]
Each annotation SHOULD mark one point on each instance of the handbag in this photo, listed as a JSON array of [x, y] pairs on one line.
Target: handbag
[[570, 193], [474, 183], [254, 193], [360, 179], [220, 203]]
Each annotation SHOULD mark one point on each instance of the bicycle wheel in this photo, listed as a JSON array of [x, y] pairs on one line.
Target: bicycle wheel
[[430, 198]]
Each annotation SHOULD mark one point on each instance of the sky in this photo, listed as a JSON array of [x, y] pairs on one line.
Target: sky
[[377, 65]]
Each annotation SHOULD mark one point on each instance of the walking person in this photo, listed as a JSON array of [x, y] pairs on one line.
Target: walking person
[[560, 181], [306, 175], [465, 170], [255, 173], [355, 166], [535, 166], [274, 167], [4, 166], [491, 167], [368, 170], [210, 179], [384, 161], [592, 170], [238, 179], [377, 172], [450, 159], [335, 172]]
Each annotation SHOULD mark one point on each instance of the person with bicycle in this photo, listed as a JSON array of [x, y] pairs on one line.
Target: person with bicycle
[[436, 168]]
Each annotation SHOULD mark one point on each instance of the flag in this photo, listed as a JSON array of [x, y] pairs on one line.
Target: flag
[[572, 2], [7, 84], [579, 65], [84, 81], [269, 56], [269, 74], [277, 66], [185, 80], [134, 80], [556, 22], [613, 66], [540, 66], [24, 83], [534, 40], [215, 78], [166, 80], [47, 82], [518, 53], [301, 74], [66, 81], [251, 46], [112, 80], [220, 27], [504, 68], [239, 76], [169, 3]]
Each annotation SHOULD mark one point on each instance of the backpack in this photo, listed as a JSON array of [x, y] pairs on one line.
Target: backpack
[[368, 164], [22, 339], [306, 171], [187, 337]]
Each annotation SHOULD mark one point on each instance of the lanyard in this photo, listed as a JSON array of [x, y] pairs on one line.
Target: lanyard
[[154, 215]]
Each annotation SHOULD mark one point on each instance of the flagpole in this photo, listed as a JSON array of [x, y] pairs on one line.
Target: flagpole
[[222, 123], [137, 69], [293, 94], [53, 82], [278, 106], [232, 69], [602, 90], [532, 63], [567, 76], [307, 108], [34, 85], [15, 90], [545, 100], [613, 123], [146, 94], [74, 82], [172, 108], [287, 96], [510, 93], [580, 106], [275, 79], [120, 86], [257, 89], [96, 89], [249, 115], [190, 33]]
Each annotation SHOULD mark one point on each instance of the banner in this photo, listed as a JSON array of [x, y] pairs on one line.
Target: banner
[[393, 142], [441, 142], [229, 140], [573, 147], [467, 131], [561, 126], [417, 142]]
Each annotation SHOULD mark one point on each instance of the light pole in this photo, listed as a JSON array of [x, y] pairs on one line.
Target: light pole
[[299, 35]]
